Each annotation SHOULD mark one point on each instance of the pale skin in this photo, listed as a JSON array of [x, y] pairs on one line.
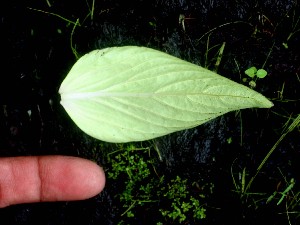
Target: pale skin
[[31, 179]]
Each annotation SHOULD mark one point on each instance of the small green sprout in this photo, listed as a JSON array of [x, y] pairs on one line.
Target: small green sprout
[[254, 73], [229, 140]]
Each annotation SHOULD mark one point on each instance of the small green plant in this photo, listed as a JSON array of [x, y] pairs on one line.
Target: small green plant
[[254, 73], [183, 203], [287, 195], [283, 194], [135, 171], [141, 189]]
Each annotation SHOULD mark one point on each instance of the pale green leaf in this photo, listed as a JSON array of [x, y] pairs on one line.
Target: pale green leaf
[[251, 71], [261, 73], [124, 94]]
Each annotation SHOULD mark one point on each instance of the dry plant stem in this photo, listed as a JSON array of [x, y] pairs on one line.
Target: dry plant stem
[[54, 14], [290, 128]]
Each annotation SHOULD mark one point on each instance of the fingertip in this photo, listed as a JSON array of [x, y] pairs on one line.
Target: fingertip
[[70, 178], [92, 181]]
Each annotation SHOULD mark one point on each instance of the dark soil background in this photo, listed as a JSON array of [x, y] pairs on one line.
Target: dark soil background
[[37, 55]]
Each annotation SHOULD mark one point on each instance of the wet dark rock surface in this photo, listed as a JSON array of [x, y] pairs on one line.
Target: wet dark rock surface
[[37, 55]]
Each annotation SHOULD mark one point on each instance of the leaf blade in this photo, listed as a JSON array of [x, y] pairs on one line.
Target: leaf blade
[[124, 94]]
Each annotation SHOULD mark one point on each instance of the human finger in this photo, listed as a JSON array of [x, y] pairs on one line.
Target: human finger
[[48, 178]]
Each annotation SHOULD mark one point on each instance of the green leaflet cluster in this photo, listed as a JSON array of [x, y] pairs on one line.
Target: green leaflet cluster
[[125, 94]]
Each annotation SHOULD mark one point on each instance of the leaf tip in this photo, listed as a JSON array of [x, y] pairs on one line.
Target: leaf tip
[[266, 103]]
